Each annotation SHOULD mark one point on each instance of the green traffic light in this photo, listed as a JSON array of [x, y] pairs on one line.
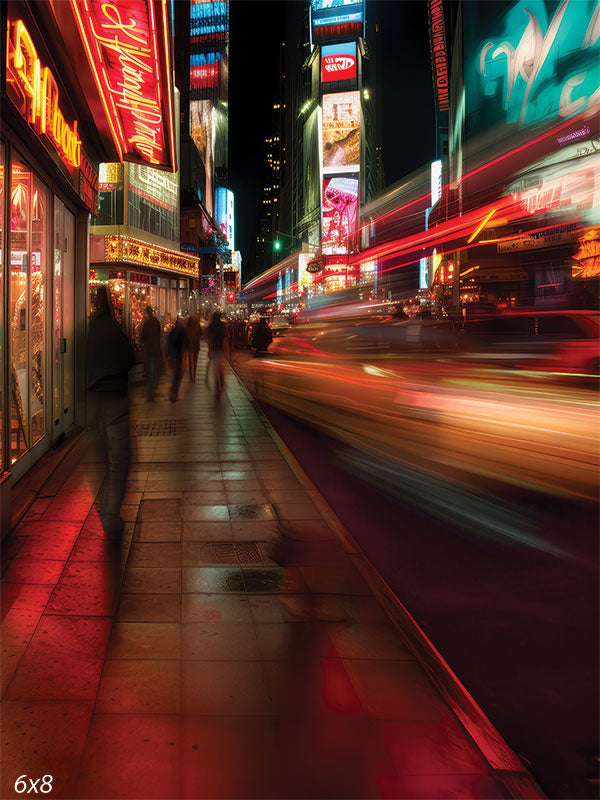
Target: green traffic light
[[277, 245]]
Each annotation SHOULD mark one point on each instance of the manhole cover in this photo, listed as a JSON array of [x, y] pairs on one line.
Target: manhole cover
[[233, 553], [161, 427]]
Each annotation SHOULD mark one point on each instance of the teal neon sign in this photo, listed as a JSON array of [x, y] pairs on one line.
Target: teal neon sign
[[541, 61]]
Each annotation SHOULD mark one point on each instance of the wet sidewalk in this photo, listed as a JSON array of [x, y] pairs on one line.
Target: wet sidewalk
[[242, 655]]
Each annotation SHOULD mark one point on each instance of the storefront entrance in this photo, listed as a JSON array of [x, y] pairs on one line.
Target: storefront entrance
[[63, 331]]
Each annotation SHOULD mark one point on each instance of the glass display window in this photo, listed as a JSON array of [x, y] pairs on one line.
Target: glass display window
[[29, 225]]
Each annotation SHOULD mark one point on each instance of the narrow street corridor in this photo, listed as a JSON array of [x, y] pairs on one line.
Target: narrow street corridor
[[226, 646]]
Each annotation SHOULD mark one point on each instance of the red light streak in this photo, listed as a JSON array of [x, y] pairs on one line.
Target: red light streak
[[547, 285]]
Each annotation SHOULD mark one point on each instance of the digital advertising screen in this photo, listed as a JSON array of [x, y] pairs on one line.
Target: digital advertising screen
[[336, 19], [340, 132], [338, 62], [208, 21], [204, 70], [224, 213], [338, 211]]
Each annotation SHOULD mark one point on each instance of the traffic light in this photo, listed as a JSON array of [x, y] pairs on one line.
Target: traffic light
[[230, 297], [277, 245]]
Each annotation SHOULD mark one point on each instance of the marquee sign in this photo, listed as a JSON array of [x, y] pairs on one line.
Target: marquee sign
[[439, 56], [128, 48]]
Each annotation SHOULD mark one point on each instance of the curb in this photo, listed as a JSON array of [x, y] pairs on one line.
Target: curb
[[504, 764]]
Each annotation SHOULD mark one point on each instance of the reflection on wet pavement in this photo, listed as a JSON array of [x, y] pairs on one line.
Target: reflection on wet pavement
[[226, 646]]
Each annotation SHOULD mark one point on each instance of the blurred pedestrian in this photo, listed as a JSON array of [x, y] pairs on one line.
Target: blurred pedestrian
[[109, 358], [217, 340], [175, 347], [261, 338], [193, 335], [150, 340]]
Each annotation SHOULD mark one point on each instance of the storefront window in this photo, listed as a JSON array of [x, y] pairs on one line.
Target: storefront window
[[28, 268]]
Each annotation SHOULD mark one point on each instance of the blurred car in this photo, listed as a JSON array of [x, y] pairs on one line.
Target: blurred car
[[458, 431], [552, 341]]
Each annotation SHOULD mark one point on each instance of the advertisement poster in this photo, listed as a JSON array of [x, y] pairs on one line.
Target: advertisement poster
[[341, 130], [338, 62], [339, 209], [337, 19]]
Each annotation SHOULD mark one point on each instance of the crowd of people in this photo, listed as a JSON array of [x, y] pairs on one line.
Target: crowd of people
[[182, 342]]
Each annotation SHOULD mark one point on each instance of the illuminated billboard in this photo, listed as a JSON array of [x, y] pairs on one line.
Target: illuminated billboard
[[204, 70], [338, 62], [340, 131], [127, 46], [338, 212], [224, 214], [208, 21], [535, 62], [202, 131], [336, 19]]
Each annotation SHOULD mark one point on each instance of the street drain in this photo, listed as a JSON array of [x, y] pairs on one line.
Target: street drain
[[233, 553], [161, 427]]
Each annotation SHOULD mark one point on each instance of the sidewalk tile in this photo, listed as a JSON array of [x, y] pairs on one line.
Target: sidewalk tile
[[144, 640], [149, 608], [152, 580], [224, 688], [139, 687]]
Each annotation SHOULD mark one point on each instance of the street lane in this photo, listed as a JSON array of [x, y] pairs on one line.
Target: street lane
[[516, 623]]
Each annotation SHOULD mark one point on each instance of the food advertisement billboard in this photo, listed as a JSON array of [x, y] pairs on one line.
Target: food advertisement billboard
[[340, 131], [338, 212], [336, 19], [338, 62]]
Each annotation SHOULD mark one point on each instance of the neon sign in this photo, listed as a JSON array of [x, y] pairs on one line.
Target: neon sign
[[439, 57], [541, 61], [127, 45], [35, 92]]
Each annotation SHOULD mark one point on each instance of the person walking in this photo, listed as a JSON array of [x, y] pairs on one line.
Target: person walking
[[261, 338], [150, 341], [109, 357], [175, 347], [193, 336], [217, 340]]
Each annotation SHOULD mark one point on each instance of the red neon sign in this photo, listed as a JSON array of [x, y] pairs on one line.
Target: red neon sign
[[127, 45], [439, 57]]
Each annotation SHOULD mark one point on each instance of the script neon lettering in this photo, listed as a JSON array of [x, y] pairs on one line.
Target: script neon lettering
[[41, 89]]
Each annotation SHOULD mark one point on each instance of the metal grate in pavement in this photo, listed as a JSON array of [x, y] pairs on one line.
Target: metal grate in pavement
[[233, 553], [161, 427]]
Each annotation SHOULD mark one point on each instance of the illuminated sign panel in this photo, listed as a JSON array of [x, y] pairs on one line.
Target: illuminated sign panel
[[208, 21], [338, 212], [439, 55], [224, 214], [204, 70], [33, 89], [127, 45], [336, 19], [132, 251], [338, 62], [340, 131], [436, 182], [535, 62]]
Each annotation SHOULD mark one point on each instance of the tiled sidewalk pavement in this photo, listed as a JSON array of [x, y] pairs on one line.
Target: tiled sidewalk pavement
[[240, 663]]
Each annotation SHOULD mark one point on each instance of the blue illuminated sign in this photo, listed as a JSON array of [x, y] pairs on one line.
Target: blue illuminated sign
[[538, 61], [337, 19], [208, 21]]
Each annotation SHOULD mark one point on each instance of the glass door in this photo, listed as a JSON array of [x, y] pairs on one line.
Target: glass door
[[63, 358], [29, 223]]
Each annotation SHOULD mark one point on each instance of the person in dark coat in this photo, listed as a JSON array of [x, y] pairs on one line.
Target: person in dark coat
[[217, 340], [261, 338], [150, 341], [193, 335], [176, 344], [109, 358]]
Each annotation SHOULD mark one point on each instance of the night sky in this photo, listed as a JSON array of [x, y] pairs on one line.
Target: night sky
[[256, 28]]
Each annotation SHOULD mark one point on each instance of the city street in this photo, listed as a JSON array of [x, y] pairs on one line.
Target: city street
[[516, 623], [240, 653]]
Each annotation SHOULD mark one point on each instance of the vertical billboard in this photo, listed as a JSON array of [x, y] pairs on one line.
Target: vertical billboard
[[225, 214], [338, 62], [339, 208], [340, 131], [336, 19]]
